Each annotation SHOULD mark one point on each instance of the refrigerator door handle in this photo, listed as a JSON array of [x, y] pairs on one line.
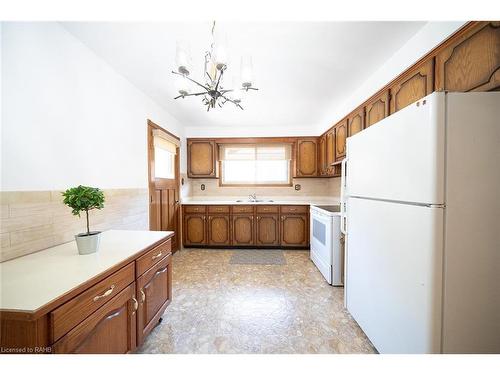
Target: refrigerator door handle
[[343, 227]]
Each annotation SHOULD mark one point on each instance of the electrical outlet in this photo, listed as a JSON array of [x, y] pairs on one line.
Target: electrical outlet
[[202, 187], [297, 187]]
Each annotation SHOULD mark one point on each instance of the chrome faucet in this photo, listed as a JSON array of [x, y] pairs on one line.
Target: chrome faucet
[[252, 197]]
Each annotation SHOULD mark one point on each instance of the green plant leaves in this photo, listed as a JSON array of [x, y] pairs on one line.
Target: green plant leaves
[[83, 198]]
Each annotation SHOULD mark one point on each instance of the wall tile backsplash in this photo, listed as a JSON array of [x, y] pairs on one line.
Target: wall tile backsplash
[[35, 220]]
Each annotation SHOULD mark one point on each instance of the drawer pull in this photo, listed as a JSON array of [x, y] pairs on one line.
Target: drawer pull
[[161, 270], [157, 255], [136, 304], [105, 294], [293, 209], [143, 295]]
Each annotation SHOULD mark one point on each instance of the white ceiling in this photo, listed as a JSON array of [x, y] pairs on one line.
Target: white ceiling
[[301, 68]]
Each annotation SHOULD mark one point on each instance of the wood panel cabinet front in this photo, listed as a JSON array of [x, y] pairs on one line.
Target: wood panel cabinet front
[[267, 230], [195, 229], [377, 108], [109, 330], [472, 61], [243, 230], [307, 158], [201, 158], [154, 292], [219, 230], [294, 230], [330, 150], [412, 86], [340, 139], [322, 155], [356, 121]]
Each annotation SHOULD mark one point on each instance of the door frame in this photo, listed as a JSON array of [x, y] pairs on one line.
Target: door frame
[[162, 182]]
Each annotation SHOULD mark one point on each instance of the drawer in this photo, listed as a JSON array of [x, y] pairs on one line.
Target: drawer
[[195, 209], [218, 209], [242, 209], [153, 256], [67, 316], [267, 209], [294, 209]]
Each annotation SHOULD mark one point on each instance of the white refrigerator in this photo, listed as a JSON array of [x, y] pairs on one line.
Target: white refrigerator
[[421, 215]]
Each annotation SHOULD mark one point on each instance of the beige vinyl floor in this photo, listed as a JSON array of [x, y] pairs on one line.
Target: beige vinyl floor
[[220, 307]]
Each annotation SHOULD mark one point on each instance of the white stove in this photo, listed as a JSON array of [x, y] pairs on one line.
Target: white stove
[[327, 243]]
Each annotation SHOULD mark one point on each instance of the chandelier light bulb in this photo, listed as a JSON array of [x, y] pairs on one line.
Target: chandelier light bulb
[[182, 58], [182, 85], [246, 71]]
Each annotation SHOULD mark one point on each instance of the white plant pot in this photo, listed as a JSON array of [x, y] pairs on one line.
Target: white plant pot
[[88, 244]]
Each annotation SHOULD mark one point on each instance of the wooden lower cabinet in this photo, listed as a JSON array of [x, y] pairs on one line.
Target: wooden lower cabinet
[[195, 229], [294, 230], [219, 230], [110, 330], [154, 293], [243, 230], [267, 230]]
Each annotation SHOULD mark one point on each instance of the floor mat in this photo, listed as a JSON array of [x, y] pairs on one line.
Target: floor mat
[[258, 256]]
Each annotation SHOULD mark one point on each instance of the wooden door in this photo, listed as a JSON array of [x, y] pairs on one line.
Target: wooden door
[[202, 158], [307, 158], [330, 150], [356, 121], [322, 155], [195, 229], [243, 230], [219, 230], [412, 86], [109, 330], [294, 230], [340, 138], [164, 207], [377, 108], [472, 61], [267, 230], [154, 292]]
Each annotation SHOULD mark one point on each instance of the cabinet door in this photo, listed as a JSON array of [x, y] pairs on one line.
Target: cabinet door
[[243, 230], [472, 61], [109, 330], [294, 230], [377, 109], [321, 155], [154, 292], [356, 122], [330, 150], [414, 85], [340, 137], [267, 231], [307, 158], [219, 230], [201, 158], [195, 229]]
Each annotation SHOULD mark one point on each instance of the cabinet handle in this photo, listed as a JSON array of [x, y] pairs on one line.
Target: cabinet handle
[[157, 255], [282, 218], [105, 294], [204, 217], [258, 217], [143, 295], [136, 304], [293, 209]]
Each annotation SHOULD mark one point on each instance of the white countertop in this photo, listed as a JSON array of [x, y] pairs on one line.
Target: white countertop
[[275, 200], [32, 281]]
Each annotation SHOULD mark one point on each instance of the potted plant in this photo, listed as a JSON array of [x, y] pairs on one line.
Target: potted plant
[[85, 198]]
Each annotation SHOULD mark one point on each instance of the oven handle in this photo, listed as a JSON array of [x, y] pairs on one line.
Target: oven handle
[[343, 227]]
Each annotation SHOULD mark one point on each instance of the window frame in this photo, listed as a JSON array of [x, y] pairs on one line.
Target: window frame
[[290, 172]]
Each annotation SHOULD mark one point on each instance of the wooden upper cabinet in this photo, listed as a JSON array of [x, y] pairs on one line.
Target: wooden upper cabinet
[[412, 86], [219, 230], [330, 149], [154, 293], [340, 138], [306, 157], [471, 62], [356, 121], [243, 229], [267, 231], [294, 230], [201, 158], [195, 229], [377, 108]]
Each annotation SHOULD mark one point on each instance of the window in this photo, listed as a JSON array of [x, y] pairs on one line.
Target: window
[[255, 164], [164, 157]]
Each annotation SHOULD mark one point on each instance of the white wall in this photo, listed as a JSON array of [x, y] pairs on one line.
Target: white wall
[[68, 118], [249, 131], [423, 41]]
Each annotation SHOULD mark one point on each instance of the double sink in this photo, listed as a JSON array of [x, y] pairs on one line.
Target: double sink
[[255, 200]]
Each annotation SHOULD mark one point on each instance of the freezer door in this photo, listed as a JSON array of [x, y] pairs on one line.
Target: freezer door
[[394, 274], [401, 158]]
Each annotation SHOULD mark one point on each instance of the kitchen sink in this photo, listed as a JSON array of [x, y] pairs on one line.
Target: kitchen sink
[[255, 200]]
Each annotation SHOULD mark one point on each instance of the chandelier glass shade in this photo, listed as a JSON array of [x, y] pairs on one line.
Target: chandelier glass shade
[[213, 89]]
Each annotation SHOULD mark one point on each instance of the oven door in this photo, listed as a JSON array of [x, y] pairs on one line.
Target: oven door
[[321, 243]]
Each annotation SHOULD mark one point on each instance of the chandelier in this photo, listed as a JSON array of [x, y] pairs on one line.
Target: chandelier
[[214, 91]]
